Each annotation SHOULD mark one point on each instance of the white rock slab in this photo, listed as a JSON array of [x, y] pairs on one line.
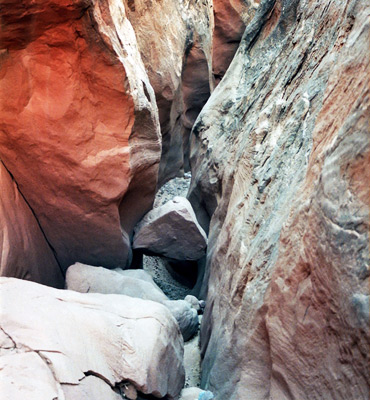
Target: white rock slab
[[134, 283], [113, 337]]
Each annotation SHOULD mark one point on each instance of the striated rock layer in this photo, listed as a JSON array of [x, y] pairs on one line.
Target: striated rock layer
[[79, 127], [280, 163]]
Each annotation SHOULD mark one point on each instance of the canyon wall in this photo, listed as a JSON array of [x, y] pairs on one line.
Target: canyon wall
[[280, 163], [79, 127], [86, 88], [175, 42], [24, 250], [230, 20]]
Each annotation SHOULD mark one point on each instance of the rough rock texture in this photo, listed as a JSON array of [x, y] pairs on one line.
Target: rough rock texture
[[79, 127], [157, 268], [57, 343], [24, 251], [178, 186], [172, 230], [280, 166], [134, 283], [175, 41], [230, 19]]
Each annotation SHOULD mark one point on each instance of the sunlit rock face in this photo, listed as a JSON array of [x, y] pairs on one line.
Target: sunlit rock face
[[79, 128], [24, 250], [280, 164], [175, 41]]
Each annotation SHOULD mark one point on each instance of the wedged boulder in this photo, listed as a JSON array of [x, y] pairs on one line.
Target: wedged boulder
[[58, 344], [134, 283], [79, 128], [193, 301], [24, 250], [172, 230], [186, 316]]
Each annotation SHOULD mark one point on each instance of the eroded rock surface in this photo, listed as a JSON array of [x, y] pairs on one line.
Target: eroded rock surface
[[175, 41], [172, 230], [60, 344], [24, 251], [79, 128], [230, 19], [280, 166]]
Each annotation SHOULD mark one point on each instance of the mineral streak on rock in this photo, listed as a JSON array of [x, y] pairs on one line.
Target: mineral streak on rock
[[79, 128], [280, 164]]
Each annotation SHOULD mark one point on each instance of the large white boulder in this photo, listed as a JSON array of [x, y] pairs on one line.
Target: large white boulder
[[60, 344], [88, 279], [134, 283], [172, 230]]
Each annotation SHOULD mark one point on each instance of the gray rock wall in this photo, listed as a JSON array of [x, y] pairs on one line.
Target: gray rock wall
[[280, 164]]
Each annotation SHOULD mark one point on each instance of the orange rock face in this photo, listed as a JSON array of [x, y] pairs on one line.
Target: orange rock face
[[77, 108], [24, 251]]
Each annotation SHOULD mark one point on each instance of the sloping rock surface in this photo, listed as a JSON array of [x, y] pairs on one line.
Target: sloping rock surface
[[280, 166], [79, 128], [134, 283], [62, 344], [172, 230], [24, 251], [88, 279]]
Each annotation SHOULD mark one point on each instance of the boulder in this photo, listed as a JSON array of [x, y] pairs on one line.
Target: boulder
[[185, 315], [134, 283], [171, 230], [88, 279], [79, 128], [137, 274], [280, 172], [193, 301], [60, 344], [24, 250]]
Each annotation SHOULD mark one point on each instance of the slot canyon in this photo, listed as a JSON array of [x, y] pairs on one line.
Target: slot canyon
[[184, 199]]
